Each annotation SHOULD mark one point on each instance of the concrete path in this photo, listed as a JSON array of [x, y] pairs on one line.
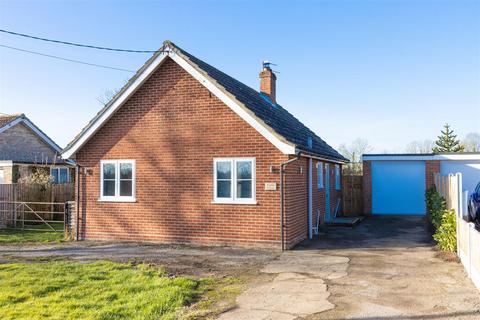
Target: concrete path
[[385, 268], [298, 288]]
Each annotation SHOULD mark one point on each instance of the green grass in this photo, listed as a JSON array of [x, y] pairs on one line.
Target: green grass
[[100, 290], [18, 236]]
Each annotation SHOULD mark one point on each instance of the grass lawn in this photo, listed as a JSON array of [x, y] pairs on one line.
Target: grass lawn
[[99, 290], [19, 236]]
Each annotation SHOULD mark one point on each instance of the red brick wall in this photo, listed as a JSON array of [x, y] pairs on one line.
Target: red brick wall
[[173, 128], [432, 167], [296, 202], [367, 187], [296, 198]]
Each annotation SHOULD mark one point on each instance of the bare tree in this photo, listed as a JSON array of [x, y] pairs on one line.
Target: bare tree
[[419, 146], [472, 142], [354, 152], [106, 96]]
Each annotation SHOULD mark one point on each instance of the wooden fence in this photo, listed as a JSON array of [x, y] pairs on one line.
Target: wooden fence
[[352, 194], [37, 193], [468, 238], [29, 203]]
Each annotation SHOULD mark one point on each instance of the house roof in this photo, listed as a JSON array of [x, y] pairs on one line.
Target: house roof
[[270, 119], [7, 118], [7, 121]]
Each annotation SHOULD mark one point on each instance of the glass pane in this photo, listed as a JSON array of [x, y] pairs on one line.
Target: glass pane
[[223, 189], [244, 189], [63, 175], [224, 170], [244, 170], [54, 173], [108, 171], [109, 188], [126, 188], [125, 171]]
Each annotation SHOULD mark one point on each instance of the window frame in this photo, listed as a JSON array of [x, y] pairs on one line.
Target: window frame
[[233, 187], [117, 197], [338, 184], [59, 168], [320, 174]]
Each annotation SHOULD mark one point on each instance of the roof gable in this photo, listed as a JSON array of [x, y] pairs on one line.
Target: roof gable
[[276, 124], [9, 121]]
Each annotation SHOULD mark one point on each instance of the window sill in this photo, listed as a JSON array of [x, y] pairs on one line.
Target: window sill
[[129, 200], [252, 202]]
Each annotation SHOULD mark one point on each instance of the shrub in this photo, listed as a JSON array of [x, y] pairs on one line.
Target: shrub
[[446, 234], [436, 206], [38, 177]]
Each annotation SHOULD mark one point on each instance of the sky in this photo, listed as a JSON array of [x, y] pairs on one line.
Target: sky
[[387, 71]]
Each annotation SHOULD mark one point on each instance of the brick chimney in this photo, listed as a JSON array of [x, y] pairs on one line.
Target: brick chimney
[[268, 82]]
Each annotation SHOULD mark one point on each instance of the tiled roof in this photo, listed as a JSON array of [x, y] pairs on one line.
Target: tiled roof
[[273, 115], [7, 118]]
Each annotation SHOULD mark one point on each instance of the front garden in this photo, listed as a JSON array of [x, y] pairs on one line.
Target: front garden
[[41, 234], [98, 290]]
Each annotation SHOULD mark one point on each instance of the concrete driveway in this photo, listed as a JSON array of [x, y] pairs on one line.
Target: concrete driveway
[[385, 268]]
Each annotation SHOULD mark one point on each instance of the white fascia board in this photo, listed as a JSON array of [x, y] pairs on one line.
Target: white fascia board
[[34, 128], [397, 157], [284, 147], [42, 135], [451, 157], [132, 88], [11, 124], [458, 156]]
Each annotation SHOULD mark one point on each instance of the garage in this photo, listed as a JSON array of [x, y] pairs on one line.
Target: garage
[[398, 187], [470, 170], [395, 184]]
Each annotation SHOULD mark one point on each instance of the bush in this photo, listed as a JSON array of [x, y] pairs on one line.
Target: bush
[[446, 234], [436, 206], [443, 220]]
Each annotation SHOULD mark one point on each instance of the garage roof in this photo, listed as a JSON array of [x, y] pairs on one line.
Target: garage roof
[[421, 156]]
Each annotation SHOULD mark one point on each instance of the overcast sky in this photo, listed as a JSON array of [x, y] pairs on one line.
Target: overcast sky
[[388, 71]]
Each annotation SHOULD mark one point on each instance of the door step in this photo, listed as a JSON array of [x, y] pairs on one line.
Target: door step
[[344, 221]]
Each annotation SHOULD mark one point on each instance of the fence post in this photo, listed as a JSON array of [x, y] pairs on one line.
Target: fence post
[[71, 220], [459, 213]]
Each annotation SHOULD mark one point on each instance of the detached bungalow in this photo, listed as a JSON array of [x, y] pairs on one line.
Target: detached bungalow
[[186, 153]]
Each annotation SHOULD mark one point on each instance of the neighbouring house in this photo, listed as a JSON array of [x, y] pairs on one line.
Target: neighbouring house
[[396, 183], [186, 153], [24, 149]]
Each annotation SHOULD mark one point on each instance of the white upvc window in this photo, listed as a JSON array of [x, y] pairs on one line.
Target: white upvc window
[[234, 180], [337, 177], [60, 174], [117, 180], [320, 175]]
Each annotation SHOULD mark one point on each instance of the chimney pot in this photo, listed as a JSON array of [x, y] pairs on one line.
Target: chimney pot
[[268, 82]]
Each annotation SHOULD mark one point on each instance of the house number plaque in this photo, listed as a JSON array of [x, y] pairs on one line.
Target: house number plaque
[[270, 186]]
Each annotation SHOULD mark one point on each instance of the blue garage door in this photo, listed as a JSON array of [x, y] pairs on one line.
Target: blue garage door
[[398, 187]]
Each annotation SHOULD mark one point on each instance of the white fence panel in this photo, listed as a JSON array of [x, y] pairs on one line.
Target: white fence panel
[[468, 238]]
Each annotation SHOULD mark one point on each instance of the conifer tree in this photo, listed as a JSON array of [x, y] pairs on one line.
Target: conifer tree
[[447, 141]]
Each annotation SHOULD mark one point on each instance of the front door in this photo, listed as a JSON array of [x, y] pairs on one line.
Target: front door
[[327, 192]]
